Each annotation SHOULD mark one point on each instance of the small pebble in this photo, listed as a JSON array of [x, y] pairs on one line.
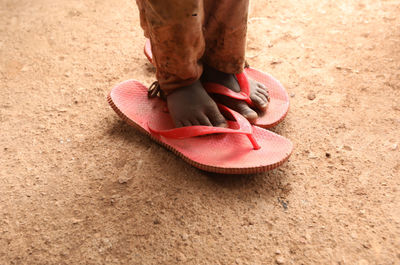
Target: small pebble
[[328, 155], [123, 179], [311, 96], [366, 245], [76, 221], [156, 222], [184, 237], [394, 147], [347, 148], [312, 155], [275, 62], [292, 95], [280, 260]]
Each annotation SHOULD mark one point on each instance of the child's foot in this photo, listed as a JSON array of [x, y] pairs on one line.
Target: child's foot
[[258, 93], [192, 105]]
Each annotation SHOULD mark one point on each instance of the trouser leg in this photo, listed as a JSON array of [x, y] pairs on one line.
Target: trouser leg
[[175, 29], [225, 34]]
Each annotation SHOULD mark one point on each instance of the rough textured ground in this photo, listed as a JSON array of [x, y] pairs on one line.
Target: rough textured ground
[[78, 186]]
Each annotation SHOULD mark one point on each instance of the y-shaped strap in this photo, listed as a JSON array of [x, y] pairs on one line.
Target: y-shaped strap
[[192, 131], [244, 85]]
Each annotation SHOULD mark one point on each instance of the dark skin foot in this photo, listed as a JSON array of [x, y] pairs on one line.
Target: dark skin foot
[[258, 93], [192, 105]]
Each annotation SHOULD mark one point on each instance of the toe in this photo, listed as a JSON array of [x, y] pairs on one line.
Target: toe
[[261, 86], [217, 120], [242, 108], [263, 97], [203, 120], [246, 111], [186, 123], [263, 91], [194, 121], [259, 101], [215, 117]]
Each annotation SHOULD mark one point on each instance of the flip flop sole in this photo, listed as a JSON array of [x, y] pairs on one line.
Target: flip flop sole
[[278, 106], [219, 153]]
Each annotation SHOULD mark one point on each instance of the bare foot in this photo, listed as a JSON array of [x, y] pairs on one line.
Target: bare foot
[[192, 105], [258, 93]]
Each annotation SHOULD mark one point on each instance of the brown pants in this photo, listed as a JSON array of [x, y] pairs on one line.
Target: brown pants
[[184, 34]]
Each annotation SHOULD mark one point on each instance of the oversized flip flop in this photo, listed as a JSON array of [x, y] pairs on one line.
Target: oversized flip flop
[[278, 98], [239, 149], [278, 106]]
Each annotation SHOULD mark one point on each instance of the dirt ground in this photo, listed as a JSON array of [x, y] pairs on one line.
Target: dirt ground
[[78, 186]]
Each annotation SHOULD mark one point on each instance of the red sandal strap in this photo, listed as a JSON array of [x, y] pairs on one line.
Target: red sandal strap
[[244, 93], [243, 83], [192, 131]]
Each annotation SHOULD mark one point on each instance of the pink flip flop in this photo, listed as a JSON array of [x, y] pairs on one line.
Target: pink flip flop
[[278, 98], [239, 149], [278, 106]]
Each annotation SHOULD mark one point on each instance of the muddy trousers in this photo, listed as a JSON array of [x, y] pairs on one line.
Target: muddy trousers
[[185, 34]]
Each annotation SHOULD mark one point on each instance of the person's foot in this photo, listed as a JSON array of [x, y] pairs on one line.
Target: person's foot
[[192, 105], [258, 93]]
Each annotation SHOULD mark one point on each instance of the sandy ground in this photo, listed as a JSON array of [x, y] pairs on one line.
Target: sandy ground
[[78, 186]]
